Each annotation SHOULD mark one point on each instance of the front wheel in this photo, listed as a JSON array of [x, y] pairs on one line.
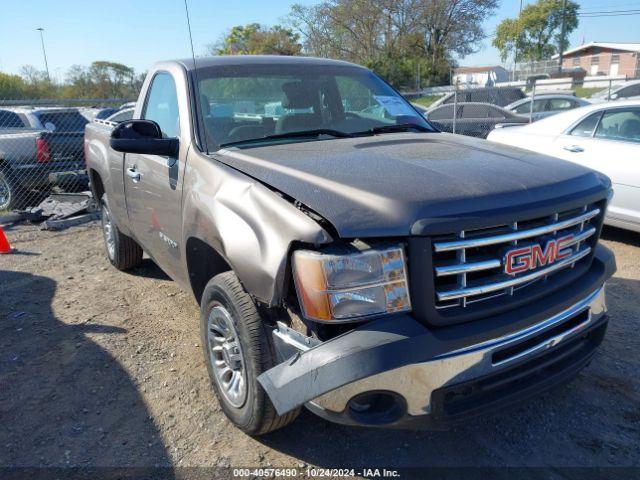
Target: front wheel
[[238, 348]]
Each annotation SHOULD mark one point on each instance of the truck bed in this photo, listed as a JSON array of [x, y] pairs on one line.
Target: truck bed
[[60, 161], [18, 145]]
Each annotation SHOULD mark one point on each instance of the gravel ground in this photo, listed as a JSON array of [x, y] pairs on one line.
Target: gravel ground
[[103, 368]]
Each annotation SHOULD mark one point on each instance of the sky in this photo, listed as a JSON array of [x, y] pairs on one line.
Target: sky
[[140, 32]]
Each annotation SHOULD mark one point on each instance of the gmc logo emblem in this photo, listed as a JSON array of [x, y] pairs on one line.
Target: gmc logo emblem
[[531, 257]]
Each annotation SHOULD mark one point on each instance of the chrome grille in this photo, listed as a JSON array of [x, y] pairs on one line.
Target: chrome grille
[[469, 265]]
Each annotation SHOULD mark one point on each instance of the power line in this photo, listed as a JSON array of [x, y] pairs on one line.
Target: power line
[[609, 11], [615, 5], [584, 15]]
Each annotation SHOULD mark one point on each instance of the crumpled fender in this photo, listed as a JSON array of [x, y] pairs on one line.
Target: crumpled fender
[[249, 225]]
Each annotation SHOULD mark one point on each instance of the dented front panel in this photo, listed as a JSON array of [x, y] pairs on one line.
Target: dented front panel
[[251, 226]]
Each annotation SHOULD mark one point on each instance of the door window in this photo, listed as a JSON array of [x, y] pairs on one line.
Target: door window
[[538, 106], [475, 111], [443, 113], [524, 108], [495, 112], [585, 127], [10, 120], [560, 104], [162, 105], [630, 91], [620, 125]]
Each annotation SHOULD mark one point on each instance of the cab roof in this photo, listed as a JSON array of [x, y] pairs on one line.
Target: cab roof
[[237, 60]]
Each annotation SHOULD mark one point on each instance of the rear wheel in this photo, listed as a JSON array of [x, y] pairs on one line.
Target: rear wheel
[[123, 252], [12, 196], [238, 348]]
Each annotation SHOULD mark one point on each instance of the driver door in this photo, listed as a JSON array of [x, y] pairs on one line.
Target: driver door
[[153, 183]]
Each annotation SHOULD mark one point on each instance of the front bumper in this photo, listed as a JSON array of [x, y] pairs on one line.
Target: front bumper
[[480, 378], [432, 377]]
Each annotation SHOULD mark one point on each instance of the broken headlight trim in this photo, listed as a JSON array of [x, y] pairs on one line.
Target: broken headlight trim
[[343, 288]]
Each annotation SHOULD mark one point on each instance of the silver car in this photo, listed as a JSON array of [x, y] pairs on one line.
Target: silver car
[[627, 91], [545, 105]]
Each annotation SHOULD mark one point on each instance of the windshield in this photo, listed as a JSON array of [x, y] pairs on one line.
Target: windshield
[[243, 104]]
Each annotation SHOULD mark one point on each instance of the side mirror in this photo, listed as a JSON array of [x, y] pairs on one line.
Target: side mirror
[[142, 136], [613, 96]]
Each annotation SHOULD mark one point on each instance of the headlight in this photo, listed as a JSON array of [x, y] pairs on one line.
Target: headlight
[[344, 287]]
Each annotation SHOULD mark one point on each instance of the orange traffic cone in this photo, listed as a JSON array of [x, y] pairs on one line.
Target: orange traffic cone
[[4, 243]]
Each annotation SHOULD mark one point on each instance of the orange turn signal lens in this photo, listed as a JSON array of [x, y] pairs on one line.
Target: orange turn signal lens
[[342, 288], [311, 286]]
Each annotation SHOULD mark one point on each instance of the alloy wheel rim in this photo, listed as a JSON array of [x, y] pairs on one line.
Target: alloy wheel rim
[[226, 356], [5, 193], [108, 232]]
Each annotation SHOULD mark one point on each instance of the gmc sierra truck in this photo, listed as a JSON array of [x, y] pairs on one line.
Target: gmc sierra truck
[[346, 255]]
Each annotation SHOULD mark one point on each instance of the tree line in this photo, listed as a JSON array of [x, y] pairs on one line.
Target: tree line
[[411, 43], [101, 79]]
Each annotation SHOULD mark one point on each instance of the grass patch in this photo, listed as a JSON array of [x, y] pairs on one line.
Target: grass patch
[[426, 100], [586, 92]]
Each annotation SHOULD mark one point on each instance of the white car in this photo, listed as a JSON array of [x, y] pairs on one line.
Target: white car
[[605, 137]]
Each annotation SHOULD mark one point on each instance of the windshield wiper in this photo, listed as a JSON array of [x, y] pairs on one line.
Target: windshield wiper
[[297, 134], [401, 127]]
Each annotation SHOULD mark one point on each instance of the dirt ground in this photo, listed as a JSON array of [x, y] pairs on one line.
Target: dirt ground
[[103, 368]]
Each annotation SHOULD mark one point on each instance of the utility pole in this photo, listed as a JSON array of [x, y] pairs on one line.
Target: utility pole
[[44, 53], [562, 33], [515, 52]]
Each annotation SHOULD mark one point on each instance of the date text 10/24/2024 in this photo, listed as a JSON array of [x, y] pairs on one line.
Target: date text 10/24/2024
[[315, 472]]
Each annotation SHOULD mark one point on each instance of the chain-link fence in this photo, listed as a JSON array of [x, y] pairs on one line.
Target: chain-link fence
[[42, 141], [475, 111], [42, 146]]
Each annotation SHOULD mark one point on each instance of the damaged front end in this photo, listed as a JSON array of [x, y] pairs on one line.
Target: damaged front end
[[394, 371]]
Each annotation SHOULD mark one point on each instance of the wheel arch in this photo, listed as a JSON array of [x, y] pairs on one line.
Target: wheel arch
[[96, 184], [203, 263]]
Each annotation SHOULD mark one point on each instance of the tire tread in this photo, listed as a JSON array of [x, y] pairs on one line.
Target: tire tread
[[128, 252], [260, 347]]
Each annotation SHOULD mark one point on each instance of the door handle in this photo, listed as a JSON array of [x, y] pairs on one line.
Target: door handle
[[134, 174], [573, 148]]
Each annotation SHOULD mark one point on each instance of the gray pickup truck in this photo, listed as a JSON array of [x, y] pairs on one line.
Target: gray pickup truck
[[346, 255], [39, 147]]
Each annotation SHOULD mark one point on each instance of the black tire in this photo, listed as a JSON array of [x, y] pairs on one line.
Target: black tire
[[124, 253], [12, 195], [256, 416]]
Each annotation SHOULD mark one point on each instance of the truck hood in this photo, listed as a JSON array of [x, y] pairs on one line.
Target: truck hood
[[410, 183]]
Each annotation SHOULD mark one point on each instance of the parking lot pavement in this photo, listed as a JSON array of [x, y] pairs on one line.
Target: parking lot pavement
[[102, 368]]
